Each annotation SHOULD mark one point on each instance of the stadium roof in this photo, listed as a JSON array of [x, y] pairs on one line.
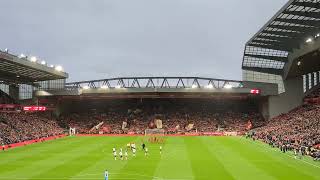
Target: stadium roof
[[267, 51], [22, 71]]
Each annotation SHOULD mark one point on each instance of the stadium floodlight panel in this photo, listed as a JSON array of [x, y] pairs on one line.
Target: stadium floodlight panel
[[22, 56], [58, 68], [209, 86], [317, 35], [33, 59], [43, 62], [309, 40], [104, 87], [299, 63], [228, 86], [86, 87], [194, 86], [52, 66]]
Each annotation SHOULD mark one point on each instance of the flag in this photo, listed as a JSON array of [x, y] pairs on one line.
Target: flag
[[249, 125]]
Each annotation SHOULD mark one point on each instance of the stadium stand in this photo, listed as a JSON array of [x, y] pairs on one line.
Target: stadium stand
[[298, 129], [18, 127], [176, 115]]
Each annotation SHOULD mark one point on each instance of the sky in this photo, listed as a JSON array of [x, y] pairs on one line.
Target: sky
[[98, 39]]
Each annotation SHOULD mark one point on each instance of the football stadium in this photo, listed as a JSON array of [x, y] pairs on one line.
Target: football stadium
[[265, 126]]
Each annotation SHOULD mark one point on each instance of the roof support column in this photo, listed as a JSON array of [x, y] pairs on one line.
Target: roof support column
[[14, 91], [307, 82], [312, 80]]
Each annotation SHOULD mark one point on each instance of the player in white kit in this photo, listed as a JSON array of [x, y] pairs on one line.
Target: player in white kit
[[120, 154], [146, 151], [115, 155], [126, 155], [134, 152]]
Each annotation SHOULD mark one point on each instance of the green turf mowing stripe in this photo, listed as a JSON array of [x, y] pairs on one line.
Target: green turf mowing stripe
[[141, 167], [36, 165], [174, 163], [274, 166], [237, 166], [41, 152], [106, 160], [305, 165], [22, 152], [204, 164], [71, 164], [183, 158]]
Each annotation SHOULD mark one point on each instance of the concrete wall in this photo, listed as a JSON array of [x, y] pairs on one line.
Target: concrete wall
[[292, 98], [264, 107], [267, 89]]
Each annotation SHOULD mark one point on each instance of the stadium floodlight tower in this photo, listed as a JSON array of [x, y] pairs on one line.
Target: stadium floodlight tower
[[286, 51], [20, 75]]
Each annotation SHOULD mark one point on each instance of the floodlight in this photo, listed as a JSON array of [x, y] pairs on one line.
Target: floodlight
[[317, 35], [194, 86], [33, 59], [309, 40], [43, 62], [299, 63], [52, 66], [86, 87], [104, 87], [118, 87], [6, 50], [58, 68], [22, 56], [209, 86], [228, 86]]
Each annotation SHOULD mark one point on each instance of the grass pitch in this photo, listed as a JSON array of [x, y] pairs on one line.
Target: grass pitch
[[183, 158]]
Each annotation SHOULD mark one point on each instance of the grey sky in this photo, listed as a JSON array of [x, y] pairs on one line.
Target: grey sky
[[95, 39]]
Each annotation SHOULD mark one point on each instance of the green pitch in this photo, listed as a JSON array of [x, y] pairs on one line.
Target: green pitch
[[183, 158]]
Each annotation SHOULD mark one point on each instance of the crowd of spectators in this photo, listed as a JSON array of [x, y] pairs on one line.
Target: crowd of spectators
[[176, 118], [18, 127], [297, 130]]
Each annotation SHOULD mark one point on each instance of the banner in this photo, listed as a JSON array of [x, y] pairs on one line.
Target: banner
[[192, 134], [213, 133], [9, 106], [124, 125], [230, 133], [189, 127], [158, 123]]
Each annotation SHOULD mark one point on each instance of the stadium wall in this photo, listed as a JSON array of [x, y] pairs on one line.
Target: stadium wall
[[290, 99]]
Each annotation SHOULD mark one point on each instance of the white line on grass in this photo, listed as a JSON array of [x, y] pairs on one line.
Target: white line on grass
[[141, 175]]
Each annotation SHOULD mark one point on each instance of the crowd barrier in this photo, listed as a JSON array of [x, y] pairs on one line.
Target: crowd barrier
[[24, 143]]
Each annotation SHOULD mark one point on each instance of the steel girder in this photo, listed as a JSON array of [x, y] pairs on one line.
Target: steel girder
[[287, 30], [155, 82]]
